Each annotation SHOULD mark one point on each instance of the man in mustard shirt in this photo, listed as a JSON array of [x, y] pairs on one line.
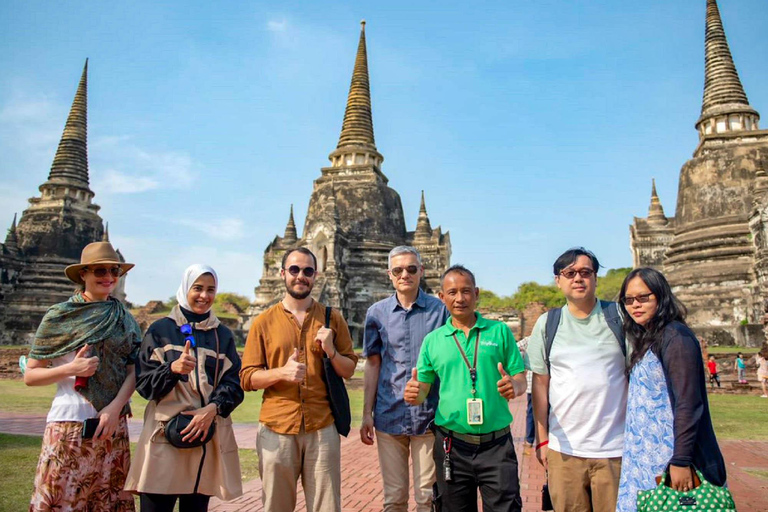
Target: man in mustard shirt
[[480, 369]]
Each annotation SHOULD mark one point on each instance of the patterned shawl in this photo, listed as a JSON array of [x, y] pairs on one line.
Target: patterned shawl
[[107, 326]]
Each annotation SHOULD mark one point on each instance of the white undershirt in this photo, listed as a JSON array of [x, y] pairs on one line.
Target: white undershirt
[[68, 404]]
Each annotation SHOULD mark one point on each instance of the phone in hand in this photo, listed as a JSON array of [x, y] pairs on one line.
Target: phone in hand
[[89, 427]]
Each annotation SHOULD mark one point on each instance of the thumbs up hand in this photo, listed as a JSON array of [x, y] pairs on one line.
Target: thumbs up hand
[[185, 363], [83, 365], [506, 388], [413, 389], [293, 370]]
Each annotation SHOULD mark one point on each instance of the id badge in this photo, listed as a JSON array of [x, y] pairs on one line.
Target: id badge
[[474, 411]]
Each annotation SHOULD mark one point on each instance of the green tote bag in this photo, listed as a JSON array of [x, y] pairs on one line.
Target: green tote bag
[[704, 497]]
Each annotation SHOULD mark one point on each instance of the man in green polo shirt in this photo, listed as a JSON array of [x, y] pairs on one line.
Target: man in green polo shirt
[[480, 369]]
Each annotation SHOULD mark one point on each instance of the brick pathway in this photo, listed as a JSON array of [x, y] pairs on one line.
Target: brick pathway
[[361, 480]]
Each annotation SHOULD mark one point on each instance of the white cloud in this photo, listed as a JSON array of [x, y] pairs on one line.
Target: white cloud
[[277, 25], [30, 127], [116, 182], [224, 229]]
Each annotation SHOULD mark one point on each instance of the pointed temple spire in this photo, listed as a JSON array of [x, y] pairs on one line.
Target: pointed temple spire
[[655, 210], [70, 165], [723, 92], [11, 241], [290, 236], [357, 128], [105, 236], [423, 227]]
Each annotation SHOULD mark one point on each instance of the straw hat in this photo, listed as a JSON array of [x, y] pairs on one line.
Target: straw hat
[[97, 253]]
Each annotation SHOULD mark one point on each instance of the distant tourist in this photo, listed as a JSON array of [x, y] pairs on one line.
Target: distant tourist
[[761, 358], [284, 357], [713, 375], [578, 357], [394, 331], [188, 369], [87, 346], [741, 368], [530, 424], [667, 394], [480, 369]]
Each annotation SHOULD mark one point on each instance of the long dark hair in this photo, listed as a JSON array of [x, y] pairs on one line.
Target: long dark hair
[[668, 310]]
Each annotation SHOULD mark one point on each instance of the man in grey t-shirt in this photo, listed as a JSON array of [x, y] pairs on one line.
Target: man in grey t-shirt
[[580, 395]]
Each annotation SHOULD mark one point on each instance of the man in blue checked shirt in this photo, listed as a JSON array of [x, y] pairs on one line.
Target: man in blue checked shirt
[[394, 330]]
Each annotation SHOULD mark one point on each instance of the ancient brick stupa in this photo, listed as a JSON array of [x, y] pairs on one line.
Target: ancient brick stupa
[[354, 219], [707, 251], [51, 233]]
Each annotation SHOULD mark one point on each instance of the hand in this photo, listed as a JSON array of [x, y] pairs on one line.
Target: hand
[[82, 365], [185, 363], [109, 418], [506, 388], [680, 478], [201, 422], [324, 338], [541, 455], [366, 430], [412, 389], [294, 371]]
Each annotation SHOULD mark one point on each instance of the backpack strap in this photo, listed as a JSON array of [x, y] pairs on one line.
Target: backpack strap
[[613, 318], [328, 317], [550, 330]]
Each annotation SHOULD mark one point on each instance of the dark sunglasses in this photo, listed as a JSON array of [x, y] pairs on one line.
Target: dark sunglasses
[[294, 270], [101, 271], [642, 299], [583, 272], [411, 269]]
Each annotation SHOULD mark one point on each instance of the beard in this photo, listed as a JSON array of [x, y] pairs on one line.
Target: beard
[[298, 295]]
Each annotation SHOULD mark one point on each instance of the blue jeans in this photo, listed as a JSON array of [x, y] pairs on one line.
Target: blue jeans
[[530, 433]]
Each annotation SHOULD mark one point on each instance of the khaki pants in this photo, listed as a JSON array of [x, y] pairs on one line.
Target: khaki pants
[[393, 458], [280, 465], [578, 484]]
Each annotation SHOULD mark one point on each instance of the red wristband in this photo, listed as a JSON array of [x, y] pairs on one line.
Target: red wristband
[[543, 443]]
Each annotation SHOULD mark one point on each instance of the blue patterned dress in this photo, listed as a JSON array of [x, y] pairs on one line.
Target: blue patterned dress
[[649, 434]]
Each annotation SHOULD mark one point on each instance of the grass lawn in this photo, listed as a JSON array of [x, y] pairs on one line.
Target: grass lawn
[[739, 417], [733, 350]]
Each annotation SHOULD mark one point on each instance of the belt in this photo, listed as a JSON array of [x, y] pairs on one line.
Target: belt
[[473, 438]]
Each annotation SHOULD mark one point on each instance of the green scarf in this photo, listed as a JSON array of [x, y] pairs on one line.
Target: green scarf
[[107, 326]]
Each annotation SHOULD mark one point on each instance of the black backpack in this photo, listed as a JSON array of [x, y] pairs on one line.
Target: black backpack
[[611, 314]]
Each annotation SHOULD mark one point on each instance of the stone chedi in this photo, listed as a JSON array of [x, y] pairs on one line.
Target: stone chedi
[[354, 219], [51, 233], [708, 250]]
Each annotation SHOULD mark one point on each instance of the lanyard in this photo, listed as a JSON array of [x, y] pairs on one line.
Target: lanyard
[[472, 369]]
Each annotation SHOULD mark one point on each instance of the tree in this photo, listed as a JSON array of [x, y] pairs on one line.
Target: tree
[[609, 286], [549, 295]]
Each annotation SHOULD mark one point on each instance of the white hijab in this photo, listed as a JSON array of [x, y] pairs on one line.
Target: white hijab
[[189, 278]]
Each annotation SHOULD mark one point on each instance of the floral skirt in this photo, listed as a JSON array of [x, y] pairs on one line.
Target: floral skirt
[[79, 474]]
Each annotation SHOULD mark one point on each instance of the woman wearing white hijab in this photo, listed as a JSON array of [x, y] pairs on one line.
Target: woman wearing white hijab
[[188, 366]]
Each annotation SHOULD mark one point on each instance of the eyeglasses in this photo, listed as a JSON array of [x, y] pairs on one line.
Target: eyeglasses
[[583, 272], [642, 299], [411, 269], [294, 270], [102, 272]]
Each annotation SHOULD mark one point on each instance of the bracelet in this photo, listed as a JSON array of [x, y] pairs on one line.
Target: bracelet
[[543, 443], [334, 353]]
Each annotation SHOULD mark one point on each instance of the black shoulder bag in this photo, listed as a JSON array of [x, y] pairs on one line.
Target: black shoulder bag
[[175, 425], [337, 391]]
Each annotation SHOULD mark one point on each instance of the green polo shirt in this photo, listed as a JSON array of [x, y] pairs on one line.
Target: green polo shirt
[[440, 357]]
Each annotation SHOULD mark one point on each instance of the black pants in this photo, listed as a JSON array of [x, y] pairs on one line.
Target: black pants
[[166, 502], [492, 467]]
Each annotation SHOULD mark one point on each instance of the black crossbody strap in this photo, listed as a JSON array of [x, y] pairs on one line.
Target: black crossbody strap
[[328, 316]]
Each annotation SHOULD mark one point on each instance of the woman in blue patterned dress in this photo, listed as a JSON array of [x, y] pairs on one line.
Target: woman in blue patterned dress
[[668, 423]]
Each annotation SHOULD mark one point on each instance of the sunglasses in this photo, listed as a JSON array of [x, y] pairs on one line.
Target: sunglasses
[[294, 270], [411, 269], [583, 272], [642, 299], [102, 272]]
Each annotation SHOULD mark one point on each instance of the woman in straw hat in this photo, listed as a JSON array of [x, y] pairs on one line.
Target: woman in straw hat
[[87, 346], [188, 369]]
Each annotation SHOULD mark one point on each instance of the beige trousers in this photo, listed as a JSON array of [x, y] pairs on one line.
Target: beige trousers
[[578, 484], [393, 458], [315, 456]]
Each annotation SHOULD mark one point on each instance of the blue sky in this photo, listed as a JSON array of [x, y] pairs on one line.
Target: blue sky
[[532, 126]]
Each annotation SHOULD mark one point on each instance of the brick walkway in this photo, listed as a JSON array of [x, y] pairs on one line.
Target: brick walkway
[[361, 481]]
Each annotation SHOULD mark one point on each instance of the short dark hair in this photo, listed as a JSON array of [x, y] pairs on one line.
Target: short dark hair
[[302, 250], [570, 256], [461, 269]]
